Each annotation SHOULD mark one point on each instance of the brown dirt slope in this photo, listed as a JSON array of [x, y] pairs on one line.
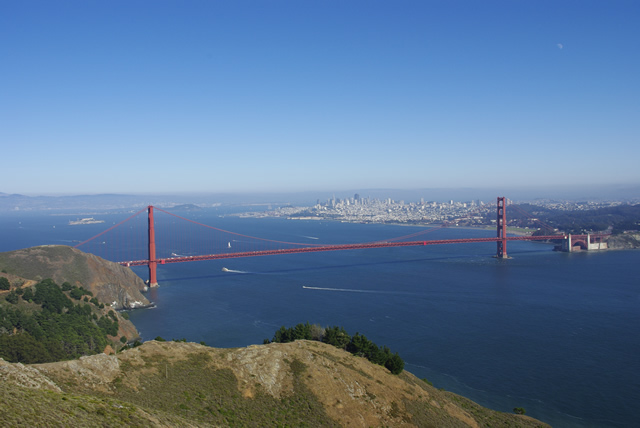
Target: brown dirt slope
[[109, 282], [180, 384]]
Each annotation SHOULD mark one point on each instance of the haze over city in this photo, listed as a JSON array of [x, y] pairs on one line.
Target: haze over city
[[291, 96]]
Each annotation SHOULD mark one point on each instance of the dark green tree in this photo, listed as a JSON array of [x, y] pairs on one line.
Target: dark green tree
[[336, 336], [12, 298], [395, 364], [28, 294], [76, 294]]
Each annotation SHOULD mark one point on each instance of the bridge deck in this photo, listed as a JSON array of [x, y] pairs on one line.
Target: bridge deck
[[336, 248]]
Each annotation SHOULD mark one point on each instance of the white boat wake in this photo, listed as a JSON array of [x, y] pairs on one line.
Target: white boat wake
[[224, 269], [351, 290]]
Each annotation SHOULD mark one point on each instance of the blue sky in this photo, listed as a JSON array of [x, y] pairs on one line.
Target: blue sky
[[278, 96]]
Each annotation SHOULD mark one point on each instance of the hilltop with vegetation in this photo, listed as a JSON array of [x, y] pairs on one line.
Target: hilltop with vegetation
[[301, 383], [617, 219], [109, 282], [71, 312]]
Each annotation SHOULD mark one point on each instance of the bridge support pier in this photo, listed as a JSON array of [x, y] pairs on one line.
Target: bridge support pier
[[153, 263], [501, 223]]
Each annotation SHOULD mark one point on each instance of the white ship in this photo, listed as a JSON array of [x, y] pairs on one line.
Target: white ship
[[88, 220]]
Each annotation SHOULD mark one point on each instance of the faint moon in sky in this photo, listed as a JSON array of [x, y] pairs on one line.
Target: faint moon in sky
[[560, 46]]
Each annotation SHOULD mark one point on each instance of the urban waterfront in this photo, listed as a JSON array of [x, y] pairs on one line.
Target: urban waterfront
[[554, 333]]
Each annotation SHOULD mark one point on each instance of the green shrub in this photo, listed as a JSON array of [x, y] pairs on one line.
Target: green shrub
[[12, 298], [4, 283], [28, 294]]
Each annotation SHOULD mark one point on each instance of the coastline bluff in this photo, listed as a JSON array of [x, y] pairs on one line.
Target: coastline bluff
[[109, 282], [188, 384]]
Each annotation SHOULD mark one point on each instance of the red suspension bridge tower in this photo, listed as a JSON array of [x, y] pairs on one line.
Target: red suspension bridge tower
[[501, 223], [153, 281]]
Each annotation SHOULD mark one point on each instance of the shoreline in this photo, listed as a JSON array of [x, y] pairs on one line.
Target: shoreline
[[435, 225]]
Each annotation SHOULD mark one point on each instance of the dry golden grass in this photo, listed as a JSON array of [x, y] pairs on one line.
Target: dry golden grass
[[294, 384]]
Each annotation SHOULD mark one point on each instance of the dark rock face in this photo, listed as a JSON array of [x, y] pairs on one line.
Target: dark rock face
[[109, 282]]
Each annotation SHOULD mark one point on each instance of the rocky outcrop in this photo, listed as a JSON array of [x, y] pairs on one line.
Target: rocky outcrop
[[26, 376], [625, 241], [109, 282]]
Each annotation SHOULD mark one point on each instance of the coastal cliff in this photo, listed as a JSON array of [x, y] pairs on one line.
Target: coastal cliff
[[625, 241], [109, 282]]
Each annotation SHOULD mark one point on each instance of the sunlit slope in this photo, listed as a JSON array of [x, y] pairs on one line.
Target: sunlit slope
[[178, 384]]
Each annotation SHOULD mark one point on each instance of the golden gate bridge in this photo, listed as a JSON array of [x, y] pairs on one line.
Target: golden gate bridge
[[138, 245]]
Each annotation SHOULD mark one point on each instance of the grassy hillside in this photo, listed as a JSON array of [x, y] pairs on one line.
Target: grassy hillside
[[23, 407], [302, 383]]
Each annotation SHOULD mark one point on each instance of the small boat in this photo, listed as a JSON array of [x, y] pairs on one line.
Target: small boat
[[224, 269], [88, 220], [229, 245]]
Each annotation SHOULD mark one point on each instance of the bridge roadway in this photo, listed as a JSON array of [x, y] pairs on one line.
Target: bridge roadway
[[162, 261]]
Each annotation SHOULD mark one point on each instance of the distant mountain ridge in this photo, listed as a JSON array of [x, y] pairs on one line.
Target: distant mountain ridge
[[18, 202]]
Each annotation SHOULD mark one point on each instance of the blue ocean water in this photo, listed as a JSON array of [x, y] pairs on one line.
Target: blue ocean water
[[555, 333]]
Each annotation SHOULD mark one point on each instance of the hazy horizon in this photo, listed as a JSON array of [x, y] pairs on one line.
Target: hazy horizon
[[600, 193]]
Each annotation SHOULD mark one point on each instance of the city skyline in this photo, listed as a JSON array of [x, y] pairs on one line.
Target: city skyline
[[249, 96]]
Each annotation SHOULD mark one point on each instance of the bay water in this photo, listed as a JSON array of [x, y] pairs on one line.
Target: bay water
[[555, 333]]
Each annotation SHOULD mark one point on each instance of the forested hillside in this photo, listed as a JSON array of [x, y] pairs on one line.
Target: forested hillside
[[617, 219], [46, 322]]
